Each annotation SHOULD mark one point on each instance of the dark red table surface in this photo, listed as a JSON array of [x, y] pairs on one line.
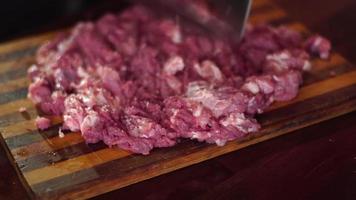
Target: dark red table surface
[[317, 162]]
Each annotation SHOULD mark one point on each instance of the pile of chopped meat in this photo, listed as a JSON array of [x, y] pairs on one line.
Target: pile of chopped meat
[[138, 81]]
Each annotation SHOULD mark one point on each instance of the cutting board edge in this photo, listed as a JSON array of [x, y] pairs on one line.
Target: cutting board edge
[[12, 161]]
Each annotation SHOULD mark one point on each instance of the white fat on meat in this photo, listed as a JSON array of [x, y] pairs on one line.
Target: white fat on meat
[[82, 73], [220, 142], [201, 114], [198, 111], [60, 133], [139, 126], [74, 113], [284, 60], [172, 119], [257, 84], [173, 65], [199, 91], [195, 87], [33, 71], [92, 127], [207, 136], [322, 46], [110, 78], [239, 121], [279, 60], [307, 66], [93, 97], [251, 87], [91, 120], [208, 69], [266, 86], [200, 135]]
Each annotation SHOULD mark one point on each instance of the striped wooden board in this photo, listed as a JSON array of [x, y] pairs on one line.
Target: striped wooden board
[[65, 168]]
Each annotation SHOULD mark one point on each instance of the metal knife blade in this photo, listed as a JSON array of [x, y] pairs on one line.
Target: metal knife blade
[[233, 12], [224, 18]]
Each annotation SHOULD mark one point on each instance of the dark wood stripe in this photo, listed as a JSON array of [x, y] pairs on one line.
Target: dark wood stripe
[[53, 157], [16, 116], [16, 73], [313, 116], [31, 137], [300, 108], [7, 97], [31, 50], [50, 191], [119, 167]]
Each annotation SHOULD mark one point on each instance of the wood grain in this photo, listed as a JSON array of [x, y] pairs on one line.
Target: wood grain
[[67, 168]]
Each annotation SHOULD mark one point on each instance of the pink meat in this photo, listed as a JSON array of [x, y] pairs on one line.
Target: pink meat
[[42, 123], [319, 46], [139, 81]]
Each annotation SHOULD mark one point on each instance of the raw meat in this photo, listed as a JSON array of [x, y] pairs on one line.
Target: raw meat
[[43, 123], [139, 81]]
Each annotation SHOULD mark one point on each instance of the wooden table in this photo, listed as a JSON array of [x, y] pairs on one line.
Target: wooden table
[[318, 162]]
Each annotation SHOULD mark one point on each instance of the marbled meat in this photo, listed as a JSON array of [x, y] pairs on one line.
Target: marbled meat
[[137, 81]]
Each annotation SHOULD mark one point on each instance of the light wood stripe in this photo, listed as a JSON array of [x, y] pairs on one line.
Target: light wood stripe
[[24, 127], [8, 97], [265, 17], [320, 88], [334, 60], [23, 62], [48, 145], [73, 165], [14, 85], [14, 106], [26, 42], [297, 27], [18, 128]]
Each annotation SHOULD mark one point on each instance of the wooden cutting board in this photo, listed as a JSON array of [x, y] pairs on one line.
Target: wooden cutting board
[[65, 168]]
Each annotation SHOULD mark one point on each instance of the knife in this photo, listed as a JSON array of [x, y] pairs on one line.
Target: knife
[[223, 18]]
